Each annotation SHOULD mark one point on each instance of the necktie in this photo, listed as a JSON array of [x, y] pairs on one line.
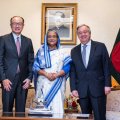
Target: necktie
[[84, 55], [18, 45], [18, 50]]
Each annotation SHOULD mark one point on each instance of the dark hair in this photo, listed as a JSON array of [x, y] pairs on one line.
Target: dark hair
[[62, 14], [52, 30], [16, 16], [84, 25]]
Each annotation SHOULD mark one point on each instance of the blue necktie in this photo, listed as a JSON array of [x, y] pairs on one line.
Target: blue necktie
[[84, 55]]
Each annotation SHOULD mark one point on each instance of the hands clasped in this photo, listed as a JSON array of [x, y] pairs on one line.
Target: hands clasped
[[52, 76]]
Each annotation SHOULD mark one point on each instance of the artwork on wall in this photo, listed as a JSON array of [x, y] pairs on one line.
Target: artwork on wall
[[61, 17]]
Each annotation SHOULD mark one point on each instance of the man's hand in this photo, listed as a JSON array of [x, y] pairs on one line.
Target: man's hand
[[7, 84], [107, 90], [26, 83], [75, 93]]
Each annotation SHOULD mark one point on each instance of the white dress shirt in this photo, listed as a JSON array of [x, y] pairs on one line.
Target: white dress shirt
[[15, 37], [88, 48]]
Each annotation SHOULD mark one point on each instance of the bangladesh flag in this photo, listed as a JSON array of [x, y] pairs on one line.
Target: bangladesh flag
[[115, 59]]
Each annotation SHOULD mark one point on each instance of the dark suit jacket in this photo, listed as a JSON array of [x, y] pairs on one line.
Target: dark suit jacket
[[9, 58], [93, 78]]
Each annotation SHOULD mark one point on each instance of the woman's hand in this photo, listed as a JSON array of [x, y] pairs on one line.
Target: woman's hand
[[55, 75], [50, 76]]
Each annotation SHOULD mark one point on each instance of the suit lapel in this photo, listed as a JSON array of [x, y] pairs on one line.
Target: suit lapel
[[92, 51], [22, 45], [80, 55], [12, 41]]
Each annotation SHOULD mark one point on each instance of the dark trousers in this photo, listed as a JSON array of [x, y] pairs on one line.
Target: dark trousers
[[97, 104], [17, 93]]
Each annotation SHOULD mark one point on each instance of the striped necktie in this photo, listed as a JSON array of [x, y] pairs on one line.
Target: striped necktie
[[18, 45], [84, 55], [18, 50]]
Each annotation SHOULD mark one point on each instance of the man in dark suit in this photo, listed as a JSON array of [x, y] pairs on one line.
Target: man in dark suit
[[16, 60], [90, 78]]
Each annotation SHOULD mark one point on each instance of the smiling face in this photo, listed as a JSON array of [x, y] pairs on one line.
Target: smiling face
[[84, 34], [17, 24], [52, 39]]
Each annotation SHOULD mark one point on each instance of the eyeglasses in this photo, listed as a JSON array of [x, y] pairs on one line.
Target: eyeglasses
[[17, 24]]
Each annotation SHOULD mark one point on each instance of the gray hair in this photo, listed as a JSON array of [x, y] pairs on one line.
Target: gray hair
[[84, 25]]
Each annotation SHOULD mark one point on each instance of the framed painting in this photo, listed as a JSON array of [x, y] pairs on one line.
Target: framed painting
[[61, 17]]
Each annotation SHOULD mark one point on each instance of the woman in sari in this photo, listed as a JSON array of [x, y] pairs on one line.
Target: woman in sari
[[51, 68]]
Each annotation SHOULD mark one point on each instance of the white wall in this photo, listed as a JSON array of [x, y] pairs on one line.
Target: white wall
[[30, 10], [103, 16]]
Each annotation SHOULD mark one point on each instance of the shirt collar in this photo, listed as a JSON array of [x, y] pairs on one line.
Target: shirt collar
[[88, 44], [15, 36]]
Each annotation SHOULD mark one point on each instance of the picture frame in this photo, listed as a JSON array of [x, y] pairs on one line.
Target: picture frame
[[61, 17]]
